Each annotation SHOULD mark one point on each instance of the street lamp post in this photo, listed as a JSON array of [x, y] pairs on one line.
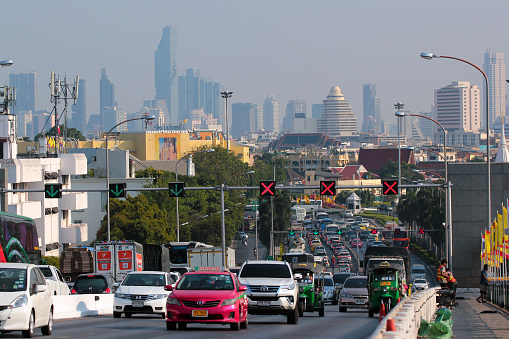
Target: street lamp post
[[429, 56], [399, 106], [108, 169], [223, 232], [177, 201], [226, 95], [448, 214], [6, 63]]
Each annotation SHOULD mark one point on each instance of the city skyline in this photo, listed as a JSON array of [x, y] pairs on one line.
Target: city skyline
[[298, 56]]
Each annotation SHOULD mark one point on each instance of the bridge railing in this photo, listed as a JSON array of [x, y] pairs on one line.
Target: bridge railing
[[407, 315]]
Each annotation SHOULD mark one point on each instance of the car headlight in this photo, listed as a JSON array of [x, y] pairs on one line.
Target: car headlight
[[346, 295], [120, 295], [160, 296], [288, 287], [385, 290], [20, 301], [228, 302], [172, 301]]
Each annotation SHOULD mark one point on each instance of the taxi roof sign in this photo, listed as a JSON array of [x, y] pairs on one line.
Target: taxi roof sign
[[211, 269]]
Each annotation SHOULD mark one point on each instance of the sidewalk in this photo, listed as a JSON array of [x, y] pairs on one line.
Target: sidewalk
[[478, 320]]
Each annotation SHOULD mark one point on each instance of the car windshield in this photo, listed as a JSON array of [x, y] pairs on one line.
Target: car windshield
[[356, 283], [418, 270], [420, 281], [385, 275], [46, 271], [327, 282], [205, 282], [90, 283], [340, 278], [13, 279], [144, 280], [265, 270]]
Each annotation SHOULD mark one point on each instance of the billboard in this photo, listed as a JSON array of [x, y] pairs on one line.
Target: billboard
[[167, 148]]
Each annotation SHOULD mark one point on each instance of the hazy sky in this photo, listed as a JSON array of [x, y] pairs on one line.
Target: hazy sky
[[291, 49]]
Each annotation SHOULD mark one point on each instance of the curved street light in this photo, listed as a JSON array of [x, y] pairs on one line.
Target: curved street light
[[226, 95], [223, 232], [6, 63], [429, 56], [108, 169], [176, 179]]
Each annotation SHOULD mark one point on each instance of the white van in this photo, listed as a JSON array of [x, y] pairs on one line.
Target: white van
[[418, 271]]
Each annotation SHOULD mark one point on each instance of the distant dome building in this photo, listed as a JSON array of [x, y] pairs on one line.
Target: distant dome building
[[337, 115]]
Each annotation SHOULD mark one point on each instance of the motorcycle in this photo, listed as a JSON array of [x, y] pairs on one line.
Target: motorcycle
[[244, 242]]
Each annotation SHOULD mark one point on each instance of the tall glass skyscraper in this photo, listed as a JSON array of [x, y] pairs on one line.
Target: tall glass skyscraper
[[26, 91], [166, 73], [106, 100], [79, 116], [494, 67], [271, 114], [372, 110]]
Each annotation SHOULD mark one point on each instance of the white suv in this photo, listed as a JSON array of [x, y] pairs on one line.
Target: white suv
[[271, 288]]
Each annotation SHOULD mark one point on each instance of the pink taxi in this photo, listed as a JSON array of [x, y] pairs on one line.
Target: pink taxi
[[207, 295]]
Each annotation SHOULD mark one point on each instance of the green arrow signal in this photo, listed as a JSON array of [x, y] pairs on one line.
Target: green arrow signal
[[117, 192], [292, 232], [315, 232], [339, 232], [176, 191], [53, 192]]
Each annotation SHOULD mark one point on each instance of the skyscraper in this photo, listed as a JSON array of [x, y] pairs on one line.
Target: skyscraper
[[294, 109], [494, 67], [271, 114], [106, 100], [371, 105], [316, 111], [337, 115], [166, 73], [79, 116], [26, 91], [244, 118], [457, 106]]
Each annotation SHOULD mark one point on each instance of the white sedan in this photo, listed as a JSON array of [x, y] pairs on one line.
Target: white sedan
[[27, 299], [420, 284], [56, 281]]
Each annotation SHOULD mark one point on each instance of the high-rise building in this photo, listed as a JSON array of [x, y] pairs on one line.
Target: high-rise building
[[316, 111], [494, 67], [192, 90], [106, 100], [79, 115], [245, 118], [26, 91], [372, 109], [271, 114], [294, 109], [457, 106], [166, 73], [338, 118]]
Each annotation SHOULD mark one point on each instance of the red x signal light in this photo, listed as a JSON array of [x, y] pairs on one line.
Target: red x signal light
[[421, 230], [327, 188], [389, 187], [374, 231], [267, 188]]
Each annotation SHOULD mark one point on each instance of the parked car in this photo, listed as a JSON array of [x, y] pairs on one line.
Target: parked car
[[93, 283], [26, 299], [142, 292], [55, 279], [354, 293]]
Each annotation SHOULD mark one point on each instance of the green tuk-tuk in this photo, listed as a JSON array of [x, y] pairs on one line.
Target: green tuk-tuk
[[310, 278], [386, 277]]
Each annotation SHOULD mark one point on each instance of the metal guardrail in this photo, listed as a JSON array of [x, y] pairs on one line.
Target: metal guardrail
[[408, 314]]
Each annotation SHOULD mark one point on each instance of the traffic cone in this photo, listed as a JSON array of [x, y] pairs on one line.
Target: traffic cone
[[391, 326], [382, 312], [399, 299]]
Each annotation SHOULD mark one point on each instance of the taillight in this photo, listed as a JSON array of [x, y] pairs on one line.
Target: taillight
[[73, 291], [107, 290]]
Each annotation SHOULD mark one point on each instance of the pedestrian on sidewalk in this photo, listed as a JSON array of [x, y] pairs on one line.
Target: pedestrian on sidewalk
[[483, 285], [442, 273]]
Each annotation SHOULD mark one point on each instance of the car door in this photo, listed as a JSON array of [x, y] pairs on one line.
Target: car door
[[63, 288], [45, 297]]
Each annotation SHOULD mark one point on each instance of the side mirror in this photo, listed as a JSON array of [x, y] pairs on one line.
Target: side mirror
[[116, 284], [168, 288], [40, 288], [242, 288]]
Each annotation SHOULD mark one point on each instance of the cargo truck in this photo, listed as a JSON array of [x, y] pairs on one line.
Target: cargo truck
[[210, 257], [118, 258]]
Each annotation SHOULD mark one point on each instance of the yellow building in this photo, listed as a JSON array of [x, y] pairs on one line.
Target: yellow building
[[155, 145]]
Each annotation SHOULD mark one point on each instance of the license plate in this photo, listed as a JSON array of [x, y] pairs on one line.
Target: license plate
[[200, 313], [385, 283], [360, 301], [137, 303], [264, 303]]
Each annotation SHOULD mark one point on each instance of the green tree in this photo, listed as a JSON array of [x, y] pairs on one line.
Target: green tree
[[71, 133], [391, 171], [135, 219], [282, 215], [342, 196]]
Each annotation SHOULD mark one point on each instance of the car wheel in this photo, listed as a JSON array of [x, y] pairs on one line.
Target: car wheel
[[321, 311], [29, 333], [163, 315], [342, 309], [301, 308], [171, 326], [117, 314], [182, 326], [293, 317], [48, 329], [128, 315], [371, 313], [245, 324]]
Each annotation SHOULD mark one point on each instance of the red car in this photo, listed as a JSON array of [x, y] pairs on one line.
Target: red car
[[207, 296]]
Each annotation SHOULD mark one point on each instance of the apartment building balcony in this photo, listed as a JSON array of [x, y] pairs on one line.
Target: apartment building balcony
[[30, 209], [73, 201]]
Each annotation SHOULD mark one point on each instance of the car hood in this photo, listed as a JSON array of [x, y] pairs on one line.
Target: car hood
[[266, 281], [141, 290], [7, 297], [202, 294]]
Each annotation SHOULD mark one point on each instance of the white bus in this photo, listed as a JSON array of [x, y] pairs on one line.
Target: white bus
[[298, 213], [313, 205]]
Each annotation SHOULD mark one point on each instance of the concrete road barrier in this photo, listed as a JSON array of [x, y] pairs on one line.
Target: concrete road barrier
[[82, 305]]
